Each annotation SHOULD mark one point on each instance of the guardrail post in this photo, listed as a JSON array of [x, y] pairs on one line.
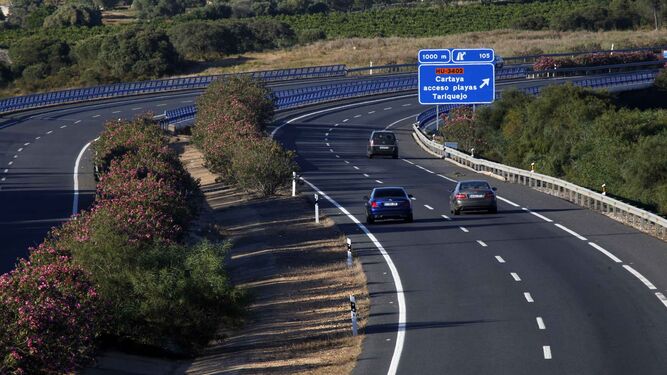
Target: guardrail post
[[294, 184], [353, 314], [317, 209]]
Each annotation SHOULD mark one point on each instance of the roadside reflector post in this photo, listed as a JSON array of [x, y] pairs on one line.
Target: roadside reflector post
[[317, 209], [349, 252], [294, 184], [472, 152], [371, 68], [604, 189], [532, 167], [353, 314]]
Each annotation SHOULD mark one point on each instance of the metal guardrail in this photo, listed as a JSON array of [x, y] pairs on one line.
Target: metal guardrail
[[532, 58]]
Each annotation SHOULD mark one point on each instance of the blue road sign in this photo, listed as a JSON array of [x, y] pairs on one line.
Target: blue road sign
[[431, 56], [464, 56], [457, 84]]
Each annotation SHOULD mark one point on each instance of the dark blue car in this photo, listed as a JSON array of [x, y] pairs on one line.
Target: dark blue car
[[388, 203]]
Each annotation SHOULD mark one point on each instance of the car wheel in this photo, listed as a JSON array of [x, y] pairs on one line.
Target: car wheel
[[394, 156], [457, 211], [370, 156], [369, 219], [409, 219]]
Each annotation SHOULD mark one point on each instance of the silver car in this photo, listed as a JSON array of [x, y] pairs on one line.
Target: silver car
[[382, 142], [473, 195]]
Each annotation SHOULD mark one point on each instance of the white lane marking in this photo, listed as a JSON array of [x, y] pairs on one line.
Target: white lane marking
[[336, 125], [446, 217], [408, 161], [640, 277], [464, 229], [570, 231], [507, 201], [27, 143], [515, 276], [429, 207], [662, 298], [114, 112], [371, 112], [528, 297], [379, 182], [357, 116], [500, 259], [397, 121], [547, 351], [540, 323], [328, 145], [49, 132], [355, 167], [20, 149], [331, 150], [326, 139], [4, 178], [77, 121], [63, 127], [10, 163], [482, 243], [400, 334], [537, 215], [136, 108], [447, 178], [366, 175], [36, 138], [338, 156], [406, 105], [5, 171], [387, 108], [160, 105], [347, 162], [16, 156], [605, 252], [186, 101], [429, 171], [327, 134], [330, 129], [75, 200], [346, 120], [273, 133], [96, 116]]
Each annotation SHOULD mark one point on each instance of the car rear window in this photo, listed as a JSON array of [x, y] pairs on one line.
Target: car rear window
[[384, 138], [386, 193], [475, 185]]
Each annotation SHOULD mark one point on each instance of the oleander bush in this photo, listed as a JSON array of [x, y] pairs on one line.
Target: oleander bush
[[262, 165], [593, 59]]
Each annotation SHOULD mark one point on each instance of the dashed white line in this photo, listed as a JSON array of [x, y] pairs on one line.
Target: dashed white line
[[77, 121], [336, 125], [640, 277], [379, 182], [662, 298], [10, 163], [4, 178], [366, 175], [371, 112], [338, 156], [326, 139], [528, 297], [413, 198], [16, 156], [327, 134], [387, 108], [570, 231], [346, 120], [447, 178], [114, 112], [6, 170], [507, 201], [515, 276], [500, 259], [540, 323], [464, 229], [328, 145], [331, 150], [63, 127], [406, 105], [357, 116], [20, 149], [605, 252], [136, 108], [96, 116], [429, 207], [429, 171], [27, 143], [547, 351], [408, 161], [160, 105], [537, 215], [355, 167], [49, 132], [347, 162], [446, 217], [36, 138], [186, 101], [482, 243]]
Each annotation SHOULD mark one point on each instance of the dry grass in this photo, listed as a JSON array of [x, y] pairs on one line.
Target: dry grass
[[299, 321], [359, 52]]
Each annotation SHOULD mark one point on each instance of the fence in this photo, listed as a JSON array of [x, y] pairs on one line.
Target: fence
[[163, 85]]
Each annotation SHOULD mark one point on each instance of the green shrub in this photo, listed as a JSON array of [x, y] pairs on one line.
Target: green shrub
[[74, 15], [535, 22], [201, 40], [310, 36], [149, 9], [53, 53], [661, 80], [262, 166]]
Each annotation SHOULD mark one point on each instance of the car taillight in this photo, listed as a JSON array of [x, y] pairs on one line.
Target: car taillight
[[460, 196], [488, 195], [374, 204]]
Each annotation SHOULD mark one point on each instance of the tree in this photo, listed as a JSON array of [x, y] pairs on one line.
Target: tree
[[149, 9], [74, 15], [53, 53], [200, 39]]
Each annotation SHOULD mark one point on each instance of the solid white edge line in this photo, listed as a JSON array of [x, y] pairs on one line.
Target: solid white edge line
[[605, 252], [482, 243], [662, 298], [427, 206], [528, 297], [273, 133], [515, 276], [547, 351], [75, 199], [397, 121], [500, 259], [540, 323], [400, 335], [640, 277], [570, 231], [507, 201]]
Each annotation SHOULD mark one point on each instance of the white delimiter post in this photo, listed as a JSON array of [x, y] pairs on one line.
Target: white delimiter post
[[353, 314], [349, 252], [294, 184], [317, 210]]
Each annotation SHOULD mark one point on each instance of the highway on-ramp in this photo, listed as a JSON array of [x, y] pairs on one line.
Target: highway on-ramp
[[542, 287]]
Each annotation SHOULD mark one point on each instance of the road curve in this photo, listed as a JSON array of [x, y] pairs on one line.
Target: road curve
[[474, 286]]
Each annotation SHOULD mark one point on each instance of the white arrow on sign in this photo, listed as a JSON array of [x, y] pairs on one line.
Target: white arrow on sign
[[485, 82]]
